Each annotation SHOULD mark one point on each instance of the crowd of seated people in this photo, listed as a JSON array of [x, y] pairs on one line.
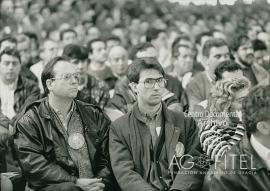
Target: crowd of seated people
[[115, 95]]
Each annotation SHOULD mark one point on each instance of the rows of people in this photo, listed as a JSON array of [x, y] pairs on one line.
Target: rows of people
[[163, 104]]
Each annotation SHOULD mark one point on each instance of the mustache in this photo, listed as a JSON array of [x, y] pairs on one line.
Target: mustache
[[250, 55]]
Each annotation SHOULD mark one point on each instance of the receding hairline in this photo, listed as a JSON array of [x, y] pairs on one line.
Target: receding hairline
[[115, 48]]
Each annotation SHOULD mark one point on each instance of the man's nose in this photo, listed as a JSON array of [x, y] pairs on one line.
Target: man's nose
[[224, 58], [250, 51], [10, 66]]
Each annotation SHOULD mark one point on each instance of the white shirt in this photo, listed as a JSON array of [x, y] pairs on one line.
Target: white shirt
[[262, 151], [37, 70], [7, 99]]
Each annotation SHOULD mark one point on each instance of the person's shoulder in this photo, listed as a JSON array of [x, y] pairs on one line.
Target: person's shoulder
[[88, 106], [123, 122], [179, 117], [36, 66], [30, 112], [200, 75], [28, 83], [197, 80]]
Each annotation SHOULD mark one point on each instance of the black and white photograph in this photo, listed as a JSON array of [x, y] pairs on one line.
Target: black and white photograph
[[134, 95]]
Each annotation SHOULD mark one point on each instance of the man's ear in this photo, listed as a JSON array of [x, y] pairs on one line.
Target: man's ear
[[49, 84], [263, 128]]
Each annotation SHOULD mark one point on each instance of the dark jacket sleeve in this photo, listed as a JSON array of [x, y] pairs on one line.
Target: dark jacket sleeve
[[222, 180], [34, 93], [38, 170], [191, 174], [104, 169], [123, 166]]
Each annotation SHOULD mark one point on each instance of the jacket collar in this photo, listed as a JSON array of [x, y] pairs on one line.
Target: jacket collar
[[20, 84], [44, 108]]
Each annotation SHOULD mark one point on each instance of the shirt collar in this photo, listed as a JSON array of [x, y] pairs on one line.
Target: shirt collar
[[262, 151], [61, 116], [11, 86], [145, 117]]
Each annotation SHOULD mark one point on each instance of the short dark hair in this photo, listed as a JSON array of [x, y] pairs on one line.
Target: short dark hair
[[74, 51], [10, 52], [179, 38], [62, 33], [256, 107], [33, 36], [258, 45], [226, 66], [138, 48], [48, 71], [9, 39], [113, 37], [213, 42], [175, 49], [238, 40], [140, 64], [89, 44], [152, 34], [198, 38]]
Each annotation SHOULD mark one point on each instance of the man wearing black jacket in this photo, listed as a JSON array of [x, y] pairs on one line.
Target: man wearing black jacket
[[62, 143]]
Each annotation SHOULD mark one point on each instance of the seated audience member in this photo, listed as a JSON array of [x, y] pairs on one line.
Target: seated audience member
[[11, 43], [124, 97], [182, 61], [97, 67], [159, 39], [91, 90], [111, 41], [62, 143], [8, 42], [214, 52], [246, 166], [244, 56], [185, 40], [15, 90], [222, 128], [49, 49], [225, 70], [118, 62], [24, 49], [174, 87], [162, 135], [67, 36], [261, 55]]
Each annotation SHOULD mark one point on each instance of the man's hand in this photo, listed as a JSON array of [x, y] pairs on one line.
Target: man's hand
[[90, 184]]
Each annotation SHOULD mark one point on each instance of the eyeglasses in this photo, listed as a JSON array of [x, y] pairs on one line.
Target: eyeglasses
[[150, 83], [69, 77]]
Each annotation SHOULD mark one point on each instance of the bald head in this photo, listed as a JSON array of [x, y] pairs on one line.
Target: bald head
[[118, 58]]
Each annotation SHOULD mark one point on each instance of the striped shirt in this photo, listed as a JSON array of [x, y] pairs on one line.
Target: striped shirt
[[217, 139]]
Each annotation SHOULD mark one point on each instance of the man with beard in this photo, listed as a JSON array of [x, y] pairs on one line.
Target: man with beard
[[244, 56]]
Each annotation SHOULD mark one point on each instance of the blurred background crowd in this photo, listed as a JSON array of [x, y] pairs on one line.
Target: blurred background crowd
[[102, 37]]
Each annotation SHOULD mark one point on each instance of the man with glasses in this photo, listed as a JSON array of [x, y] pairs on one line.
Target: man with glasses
[[62, 143], [144, 142]]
